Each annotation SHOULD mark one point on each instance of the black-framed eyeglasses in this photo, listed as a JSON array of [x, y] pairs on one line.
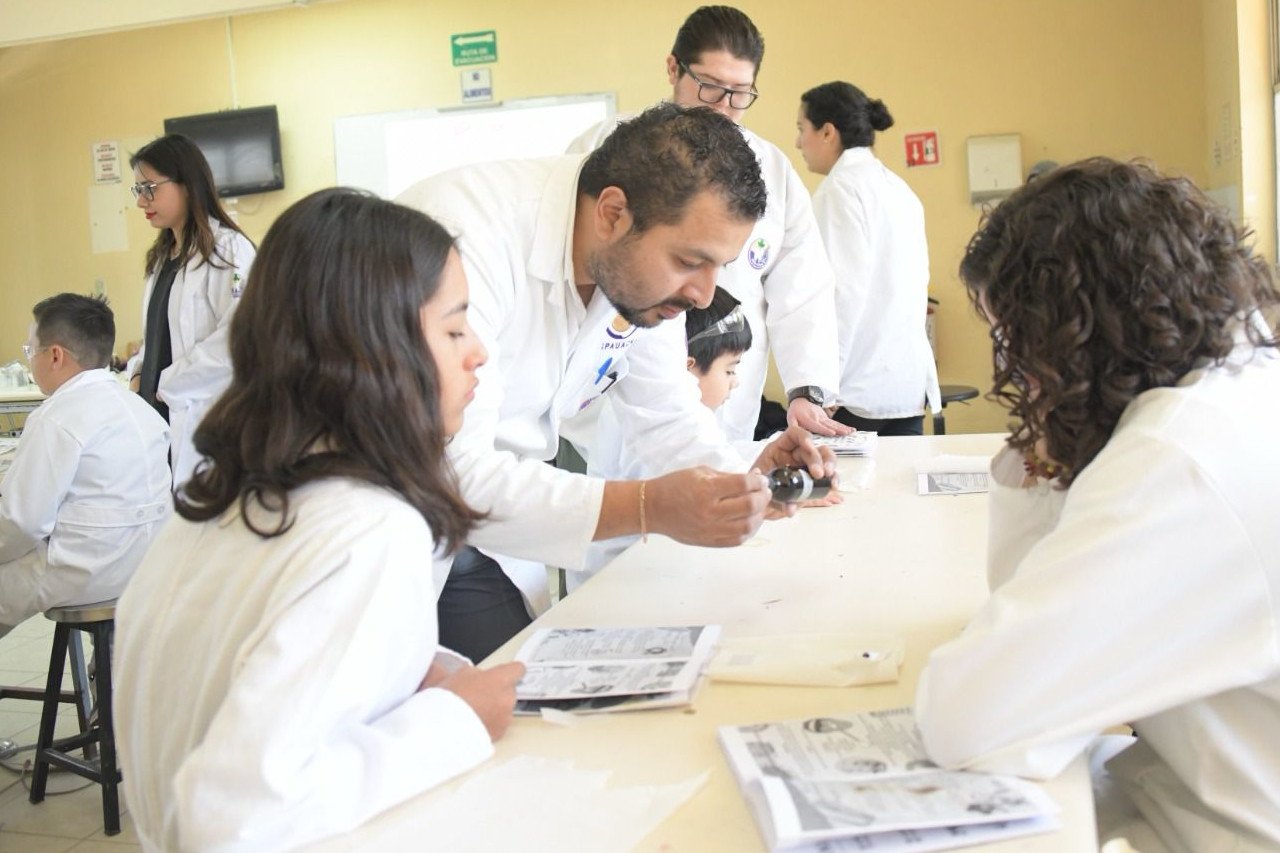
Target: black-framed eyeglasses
[[147, 189], [714, 93]]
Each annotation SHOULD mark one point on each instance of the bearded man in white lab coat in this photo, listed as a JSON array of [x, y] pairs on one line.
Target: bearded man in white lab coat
[[89, 483], [782, 277], [572, 262]]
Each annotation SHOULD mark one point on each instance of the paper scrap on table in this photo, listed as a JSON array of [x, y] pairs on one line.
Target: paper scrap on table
[[528, 804], [856, 474], [811, 660]]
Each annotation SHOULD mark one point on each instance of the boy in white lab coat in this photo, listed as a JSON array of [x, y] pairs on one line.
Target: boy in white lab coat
[[89, 484]]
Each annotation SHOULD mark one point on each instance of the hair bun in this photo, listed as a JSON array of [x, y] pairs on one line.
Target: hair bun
[[879, 115]]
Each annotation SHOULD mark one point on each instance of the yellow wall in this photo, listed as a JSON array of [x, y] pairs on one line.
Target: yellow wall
[[1117, 77]]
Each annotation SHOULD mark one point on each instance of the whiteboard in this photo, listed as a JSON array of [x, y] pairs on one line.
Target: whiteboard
[[386, 153]]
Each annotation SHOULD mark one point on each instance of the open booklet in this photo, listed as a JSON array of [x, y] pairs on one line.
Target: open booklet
[[860, 443], [588, 670], [863, 782]]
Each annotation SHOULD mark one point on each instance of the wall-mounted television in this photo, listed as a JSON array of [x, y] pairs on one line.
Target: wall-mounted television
[[242, 147]]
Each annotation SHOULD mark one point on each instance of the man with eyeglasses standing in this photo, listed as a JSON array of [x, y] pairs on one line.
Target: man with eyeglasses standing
[[782, 277]]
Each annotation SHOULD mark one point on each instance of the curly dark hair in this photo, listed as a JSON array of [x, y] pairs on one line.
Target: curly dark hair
[[668, 154], [1101, 280], [332, 374]]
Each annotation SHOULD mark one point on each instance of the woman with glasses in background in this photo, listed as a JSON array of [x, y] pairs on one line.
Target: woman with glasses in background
[[196, 271]]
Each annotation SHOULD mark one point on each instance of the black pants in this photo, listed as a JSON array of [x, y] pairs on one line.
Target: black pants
[[883, 426], [479, 608]]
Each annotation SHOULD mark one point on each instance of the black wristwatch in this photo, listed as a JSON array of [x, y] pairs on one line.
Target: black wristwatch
[[812, 393]]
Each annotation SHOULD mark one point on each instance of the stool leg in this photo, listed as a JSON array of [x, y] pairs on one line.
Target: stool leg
[[49, 716], [102, 633], [940, 422], [80, 687]]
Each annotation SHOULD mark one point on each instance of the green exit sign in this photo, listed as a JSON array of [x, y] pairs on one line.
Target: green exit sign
[[475, 48]]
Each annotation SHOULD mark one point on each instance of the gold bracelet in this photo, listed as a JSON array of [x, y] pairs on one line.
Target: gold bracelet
[[644, 531]]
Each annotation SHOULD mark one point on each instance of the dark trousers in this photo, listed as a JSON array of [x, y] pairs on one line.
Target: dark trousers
[[479, 608], [883, 426]]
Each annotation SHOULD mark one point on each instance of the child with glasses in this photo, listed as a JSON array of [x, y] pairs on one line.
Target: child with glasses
[[196, 270], [89, 483]]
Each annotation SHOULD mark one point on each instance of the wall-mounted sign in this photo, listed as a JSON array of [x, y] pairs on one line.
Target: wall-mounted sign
[[922, 148], [475, 48], [106, 162], [477, 85]]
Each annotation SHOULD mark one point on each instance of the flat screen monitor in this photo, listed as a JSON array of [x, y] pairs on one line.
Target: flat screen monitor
[[242, 147]]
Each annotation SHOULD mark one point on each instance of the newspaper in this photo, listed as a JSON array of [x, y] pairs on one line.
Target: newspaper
[[860, 443], [863, 782], [605, 669]]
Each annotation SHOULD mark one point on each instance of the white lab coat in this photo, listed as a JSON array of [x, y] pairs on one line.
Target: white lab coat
[[783, 280], [1148, 594], [267, 689], [201, 303], [549, 357], [873, 228], [87, 491]]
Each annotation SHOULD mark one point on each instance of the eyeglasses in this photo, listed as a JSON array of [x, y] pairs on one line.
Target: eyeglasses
[[714, 93], [28, 350], [148, 189], [734, 321]]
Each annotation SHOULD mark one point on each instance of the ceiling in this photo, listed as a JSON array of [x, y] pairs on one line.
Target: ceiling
[[25, 21]]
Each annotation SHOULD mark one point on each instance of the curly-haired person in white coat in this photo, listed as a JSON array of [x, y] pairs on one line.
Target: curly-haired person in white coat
[[1134, 554]]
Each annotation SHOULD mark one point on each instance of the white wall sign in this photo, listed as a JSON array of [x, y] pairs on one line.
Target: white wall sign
[[106, 162], [477, 85]]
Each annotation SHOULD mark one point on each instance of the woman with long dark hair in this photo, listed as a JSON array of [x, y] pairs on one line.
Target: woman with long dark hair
[[280, 678], [873, 227], [1134, 556], [196, 270]]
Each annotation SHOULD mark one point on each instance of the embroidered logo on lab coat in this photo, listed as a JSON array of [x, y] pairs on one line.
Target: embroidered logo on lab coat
[[620, 329], [758, 253], [237, 285]]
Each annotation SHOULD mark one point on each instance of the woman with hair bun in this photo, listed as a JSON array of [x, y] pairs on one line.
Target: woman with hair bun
[[873, 228]]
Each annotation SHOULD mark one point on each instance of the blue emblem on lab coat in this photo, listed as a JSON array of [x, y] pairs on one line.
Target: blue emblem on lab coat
[[758, 253]]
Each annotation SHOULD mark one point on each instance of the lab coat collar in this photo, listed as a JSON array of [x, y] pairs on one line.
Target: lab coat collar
[[551, 255], [851, 158], [85, 377]]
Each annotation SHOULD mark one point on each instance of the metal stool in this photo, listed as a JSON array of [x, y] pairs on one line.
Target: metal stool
[[97, 620], [951, 394]]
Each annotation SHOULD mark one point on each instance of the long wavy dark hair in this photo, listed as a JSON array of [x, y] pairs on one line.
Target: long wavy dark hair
[[180, 160], [1102, 280], [332, 374]]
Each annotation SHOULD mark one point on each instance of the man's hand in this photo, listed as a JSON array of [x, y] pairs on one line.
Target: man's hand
[[811, 417], [796, 449], [699, 506]]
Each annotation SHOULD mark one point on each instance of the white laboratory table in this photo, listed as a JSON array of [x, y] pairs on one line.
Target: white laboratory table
[[18, 401], [886, 561]]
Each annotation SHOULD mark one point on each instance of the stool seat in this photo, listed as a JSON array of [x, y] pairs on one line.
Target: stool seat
[[957, 393], [79, 614], [950, 394]]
